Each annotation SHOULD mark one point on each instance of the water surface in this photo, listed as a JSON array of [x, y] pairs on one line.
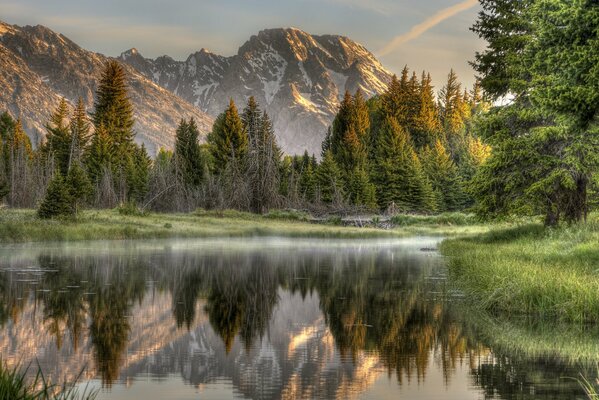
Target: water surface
[[272, 318]]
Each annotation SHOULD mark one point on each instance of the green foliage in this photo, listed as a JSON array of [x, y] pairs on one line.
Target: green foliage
[[99, 156], [131, 209], [79, 186], [138, 173], [544, 54], [113, 109], [58, 137], [14, 385], [79, 129], [228, 140], [190, 165], [329, 179], [57, 202], [397, 173], [444, 177]]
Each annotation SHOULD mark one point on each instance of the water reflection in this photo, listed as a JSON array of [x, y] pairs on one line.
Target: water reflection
[[269, 318]]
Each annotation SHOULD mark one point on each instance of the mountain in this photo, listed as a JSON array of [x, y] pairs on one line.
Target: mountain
[[39, 66], [297, 78]]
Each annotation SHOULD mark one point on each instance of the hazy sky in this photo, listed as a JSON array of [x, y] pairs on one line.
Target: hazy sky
[[424, 34]]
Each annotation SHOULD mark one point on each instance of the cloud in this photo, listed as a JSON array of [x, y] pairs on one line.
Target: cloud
[[427, 24]]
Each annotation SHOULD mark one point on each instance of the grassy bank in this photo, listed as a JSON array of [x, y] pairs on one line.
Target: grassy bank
[[23, 226], [531, 270]]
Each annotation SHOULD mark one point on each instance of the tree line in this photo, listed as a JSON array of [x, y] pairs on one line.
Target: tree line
[[405, 150]]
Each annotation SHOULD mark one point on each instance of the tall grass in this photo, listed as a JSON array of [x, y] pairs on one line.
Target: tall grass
[[531, 270], [14, 385], [23, 226]]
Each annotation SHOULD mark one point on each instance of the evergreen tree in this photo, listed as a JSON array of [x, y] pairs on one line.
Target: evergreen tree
[[190, 164], [451, 101], [329, 179], [78, 186], [307, 182], [138, 174], [99, 156], [545, 143], [397, 173], [80, 136], [58, 137], [114, 111], [361, 191], [228, 139], [427, 127], [444, 177], [58, 201]]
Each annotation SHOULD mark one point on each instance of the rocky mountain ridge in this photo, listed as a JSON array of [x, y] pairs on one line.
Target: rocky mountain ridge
[[39, 66], [296, 77]]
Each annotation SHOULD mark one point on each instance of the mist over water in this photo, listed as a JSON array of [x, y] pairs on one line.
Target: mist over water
[[264, 318]]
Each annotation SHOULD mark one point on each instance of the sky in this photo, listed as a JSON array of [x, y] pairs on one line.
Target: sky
[[431, 35]]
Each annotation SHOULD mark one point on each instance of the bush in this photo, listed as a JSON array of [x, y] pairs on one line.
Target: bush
[[131, 209]]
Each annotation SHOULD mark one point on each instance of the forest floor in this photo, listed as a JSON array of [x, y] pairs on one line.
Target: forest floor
[[17, 226], [530, 270]]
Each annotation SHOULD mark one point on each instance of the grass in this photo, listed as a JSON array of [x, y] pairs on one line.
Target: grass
[[23, 226], [530, 270], [14, 385]]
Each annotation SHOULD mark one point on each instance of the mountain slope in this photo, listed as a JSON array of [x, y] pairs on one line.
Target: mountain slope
[[39, 66], [298, 78]]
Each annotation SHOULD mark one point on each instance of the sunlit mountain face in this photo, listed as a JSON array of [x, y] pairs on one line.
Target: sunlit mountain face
[[262, 319]]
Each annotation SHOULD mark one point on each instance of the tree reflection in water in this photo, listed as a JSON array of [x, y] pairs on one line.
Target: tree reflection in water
[[382, 302]]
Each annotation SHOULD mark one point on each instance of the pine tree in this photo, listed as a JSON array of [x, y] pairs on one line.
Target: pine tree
[[451, 99], [58, 201], [362, 191], [138, 174], [80, 136], [78, 186], [395, 102], [228, 139], [114, 110], [190, 164], [20, 141], [444, 177], [427, 127], [360, 118], [307, 182], [397, 173], [99, 156], [329, 179], [58, 137]]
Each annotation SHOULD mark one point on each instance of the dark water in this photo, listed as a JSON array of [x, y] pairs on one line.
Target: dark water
[[273, 318]]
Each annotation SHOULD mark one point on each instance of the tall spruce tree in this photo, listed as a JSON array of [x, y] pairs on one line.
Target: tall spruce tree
[[427, 126], [444, 177], [397, 172], [329, 180], [114, 110], [190, 163], [545, 143], [113, 118], [58, 137], [228, 140], [80, 133]]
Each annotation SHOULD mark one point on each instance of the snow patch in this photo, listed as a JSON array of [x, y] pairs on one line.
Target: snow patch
[[340, 81], [305, 74]]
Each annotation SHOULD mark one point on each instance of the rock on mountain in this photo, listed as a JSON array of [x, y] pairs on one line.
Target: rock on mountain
[[298, 79], [39, 66]]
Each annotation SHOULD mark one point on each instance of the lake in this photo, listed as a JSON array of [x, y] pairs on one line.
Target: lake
[[273, 318]]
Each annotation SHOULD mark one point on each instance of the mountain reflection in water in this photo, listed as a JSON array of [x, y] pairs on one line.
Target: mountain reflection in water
[[257, 318]]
